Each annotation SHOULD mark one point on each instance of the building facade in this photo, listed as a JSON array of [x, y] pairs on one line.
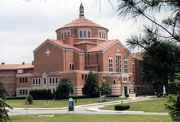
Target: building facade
[[81, 46]]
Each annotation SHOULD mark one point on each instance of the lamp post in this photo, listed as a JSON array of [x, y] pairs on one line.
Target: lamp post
[[100, 96]]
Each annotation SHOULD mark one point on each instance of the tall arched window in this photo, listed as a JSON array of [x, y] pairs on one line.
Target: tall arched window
[[118, 62], [85, 34], [89, 34], [126, 65], [80, 34]]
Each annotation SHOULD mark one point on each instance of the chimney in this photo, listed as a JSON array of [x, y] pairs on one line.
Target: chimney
[[23, 63], [68, 39], [2, 63]]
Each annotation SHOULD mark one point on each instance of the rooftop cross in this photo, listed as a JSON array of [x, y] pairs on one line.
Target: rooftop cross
[[47, 52]]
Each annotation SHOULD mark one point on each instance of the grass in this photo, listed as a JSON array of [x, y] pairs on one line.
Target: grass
[[20, 103], [91, 118], [147, 106]]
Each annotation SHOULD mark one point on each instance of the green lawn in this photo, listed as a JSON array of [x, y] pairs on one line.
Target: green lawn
[[56, 103], [91, 118], [147, 106]]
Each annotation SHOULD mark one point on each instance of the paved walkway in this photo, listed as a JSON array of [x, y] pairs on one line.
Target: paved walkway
[[86, 109]]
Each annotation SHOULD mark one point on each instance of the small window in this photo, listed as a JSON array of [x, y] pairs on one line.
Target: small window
[[44, 80], [33, 81], [114, 82], [68, 33], [62, 36], [80, 34], [65, 34], [82, 77], [89, 34], [129, 79], [53, 80], [85, 77], [110, 64], [56, 80], [26, 80], [50, 80]]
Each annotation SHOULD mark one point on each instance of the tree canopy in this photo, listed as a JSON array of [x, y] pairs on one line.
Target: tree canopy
[[64, 88], [91, 87]]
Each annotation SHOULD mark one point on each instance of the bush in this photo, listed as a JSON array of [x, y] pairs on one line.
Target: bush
[[127, 95], [78, 97], [41, 94], [30, 99], [121, 107]]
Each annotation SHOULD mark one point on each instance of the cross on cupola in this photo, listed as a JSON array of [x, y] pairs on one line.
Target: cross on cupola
[[81, 11], [47, 52]]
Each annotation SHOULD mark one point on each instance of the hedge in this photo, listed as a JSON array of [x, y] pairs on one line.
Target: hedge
[[121, 107], [41, 94]]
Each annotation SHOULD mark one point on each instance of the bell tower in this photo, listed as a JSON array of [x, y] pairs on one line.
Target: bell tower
[[81, 11]]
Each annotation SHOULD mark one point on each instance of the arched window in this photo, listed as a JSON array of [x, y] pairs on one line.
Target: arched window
[[80, 34], [118, 62], [85, 34], [99, 34], [89, 34]]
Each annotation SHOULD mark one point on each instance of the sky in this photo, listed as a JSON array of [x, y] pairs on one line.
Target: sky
[[25, 24]]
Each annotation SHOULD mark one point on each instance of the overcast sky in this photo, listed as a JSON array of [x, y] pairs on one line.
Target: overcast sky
[[25, 24]]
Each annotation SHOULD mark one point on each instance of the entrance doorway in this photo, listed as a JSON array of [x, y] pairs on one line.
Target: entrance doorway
[[125, 91]]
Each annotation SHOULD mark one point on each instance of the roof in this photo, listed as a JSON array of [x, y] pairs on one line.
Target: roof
[[138, 55], [85, 42], [102, 46], [82, 22], [16, 66], [61, 43]]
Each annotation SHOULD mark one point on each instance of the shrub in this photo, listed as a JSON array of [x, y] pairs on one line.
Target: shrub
[[30, 99], [122, 107]]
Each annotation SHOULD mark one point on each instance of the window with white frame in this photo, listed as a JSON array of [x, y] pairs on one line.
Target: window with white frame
[[110, 64], [118, 63], [125, 65], [125, 79]]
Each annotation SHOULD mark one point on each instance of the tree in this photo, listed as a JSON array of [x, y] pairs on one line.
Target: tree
[[91, 86], [160, 62], [105, 89], [148, 9], [3, 111], [64, 88], [173, 104]]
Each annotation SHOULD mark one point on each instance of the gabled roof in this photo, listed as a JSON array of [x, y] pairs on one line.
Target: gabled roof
[[85, 42], [82, 22], [16, 66], [103, 46], [138, 55], [60, 44]]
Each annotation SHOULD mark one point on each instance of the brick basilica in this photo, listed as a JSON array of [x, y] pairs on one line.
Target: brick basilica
[[81, 46]]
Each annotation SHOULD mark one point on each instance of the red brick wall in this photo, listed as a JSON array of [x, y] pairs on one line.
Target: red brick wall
[[51, 63]]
